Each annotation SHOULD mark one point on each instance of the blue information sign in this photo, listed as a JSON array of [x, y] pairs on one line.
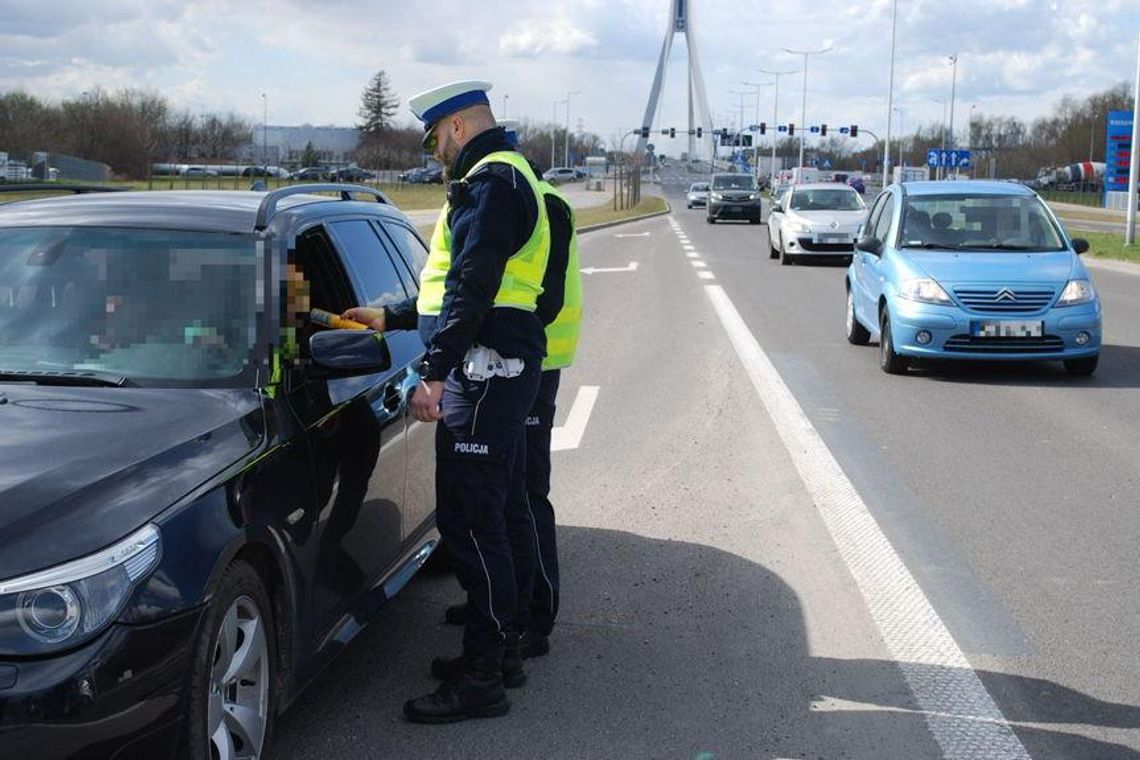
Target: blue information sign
[[953, 159], [1118, 151]]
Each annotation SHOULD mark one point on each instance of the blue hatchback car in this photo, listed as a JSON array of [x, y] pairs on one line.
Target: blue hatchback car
[[971, 270]]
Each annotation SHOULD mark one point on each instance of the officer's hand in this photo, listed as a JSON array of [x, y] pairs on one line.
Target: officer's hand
[[374, 318], [425, 400]]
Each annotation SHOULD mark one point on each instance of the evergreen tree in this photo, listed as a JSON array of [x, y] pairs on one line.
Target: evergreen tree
[[378, 105], [310, 156]]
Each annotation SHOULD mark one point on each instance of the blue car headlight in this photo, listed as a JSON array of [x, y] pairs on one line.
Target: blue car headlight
[[63, 606], [923, 290], [1077, 291]]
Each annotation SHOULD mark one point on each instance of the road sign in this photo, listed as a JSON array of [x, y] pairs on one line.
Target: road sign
[[827, 163], [815, 130], [1118, 156], [953, 159]]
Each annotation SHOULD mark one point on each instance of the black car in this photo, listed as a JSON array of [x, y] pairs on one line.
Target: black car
[[203, 495], [351, 174]]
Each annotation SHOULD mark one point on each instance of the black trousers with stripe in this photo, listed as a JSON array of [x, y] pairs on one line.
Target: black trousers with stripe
[[543, 607], [480, 508]]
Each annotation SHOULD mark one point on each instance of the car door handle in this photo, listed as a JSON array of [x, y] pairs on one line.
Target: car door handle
[[392, 398]]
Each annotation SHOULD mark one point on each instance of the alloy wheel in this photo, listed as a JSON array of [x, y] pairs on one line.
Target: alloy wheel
[[239, 684]]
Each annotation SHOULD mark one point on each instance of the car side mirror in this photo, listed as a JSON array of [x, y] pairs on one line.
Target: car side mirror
[[1080, 245], [347, 353], [871, 245], [777, 208]]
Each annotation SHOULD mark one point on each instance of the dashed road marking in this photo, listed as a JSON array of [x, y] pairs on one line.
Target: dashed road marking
[[705, 274], [631, 267], [699, 264], [960, 713]]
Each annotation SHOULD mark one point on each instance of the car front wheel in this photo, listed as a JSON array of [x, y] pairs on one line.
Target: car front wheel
[[856, 334], [233, 677], [710, 219], [890, 362], [1085, 366]]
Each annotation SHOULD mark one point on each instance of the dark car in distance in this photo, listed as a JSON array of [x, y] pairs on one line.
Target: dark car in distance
[[204, 496], [734, 196]]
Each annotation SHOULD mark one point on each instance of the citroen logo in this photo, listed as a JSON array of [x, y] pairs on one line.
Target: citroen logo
[[1005, 294]]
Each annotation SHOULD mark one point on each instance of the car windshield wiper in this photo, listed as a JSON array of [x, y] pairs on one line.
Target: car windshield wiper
[[931, 246], [1006, 247], [86, 378]]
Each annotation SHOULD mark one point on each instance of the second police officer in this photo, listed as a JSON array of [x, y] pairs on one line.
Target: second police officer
[[560, 310]]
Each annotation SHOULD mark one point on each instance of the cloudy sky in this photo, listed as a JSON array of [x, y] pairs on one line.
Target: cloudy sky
[[312, 59]]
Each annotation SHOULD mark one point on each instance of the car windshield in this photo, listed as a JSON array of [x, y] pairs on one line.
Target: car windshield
[[827, 199], [734, 182], [154, 307], [979, 222], [698, 187]]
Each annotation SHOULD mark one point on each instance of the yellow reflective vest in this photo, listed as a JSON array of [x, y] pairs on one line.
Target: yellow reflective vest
[[562, 334], [522, 279]]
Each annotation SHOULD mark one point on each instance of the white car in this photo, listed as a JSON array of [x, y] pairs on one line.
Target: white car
[[560, 174], [815, 220], [698, 194]]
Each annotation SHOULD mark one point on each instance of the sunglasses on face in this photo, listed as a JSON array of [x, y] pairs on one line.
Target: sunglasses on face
[[431, 140]]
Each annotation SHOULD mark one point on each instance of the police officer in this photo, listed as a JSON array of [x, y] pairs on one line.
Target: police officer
[[560, 310], [480, 376]]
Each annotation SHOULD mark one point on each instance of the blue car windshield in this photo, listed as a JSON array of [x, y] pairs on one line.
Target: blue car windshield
[[978, 222], [155, 307]]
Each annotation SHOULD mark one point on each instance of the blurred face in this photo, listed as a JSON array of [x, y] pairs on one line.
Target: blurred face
[[296, 294]]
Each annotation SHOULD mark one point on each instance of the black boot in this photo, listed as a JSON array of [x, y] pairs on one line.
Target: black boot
[[445, 668], [457, 614], [533, 645], [475, 692]]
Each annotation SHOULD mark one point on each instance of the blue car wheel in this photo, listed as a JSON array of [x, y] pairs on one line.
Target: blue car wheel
[[891, 362]]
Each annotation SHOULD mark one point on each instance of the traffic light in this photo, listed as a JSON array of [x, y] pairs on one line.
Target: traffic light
[[700, 131], [791, 129], [763, 128], [645, 131], [823, 130], [672, 131], [854, 130]]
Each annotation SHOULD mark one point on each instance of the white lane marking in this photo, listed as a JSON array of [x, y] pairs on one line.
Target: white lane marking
[[631, 234], [631, 267], [699, 264], [568, 436], [693, 254], [705, 274], [688, 247], [935, 669]]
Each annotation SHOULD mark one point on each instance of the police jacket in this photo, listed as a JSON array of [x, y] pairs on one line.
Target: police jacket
[[493, 213]]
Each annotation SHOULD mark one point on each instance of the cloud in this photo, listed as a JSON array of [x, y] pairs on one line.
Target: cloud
[[540, 37]]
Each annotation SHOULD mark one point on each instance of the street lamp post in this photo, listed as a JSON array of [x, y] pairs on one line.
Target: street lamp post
[[942, 130], [574, 92], [756, 139], [776, 110], [803, 103], [890, 94], [902, 137], [505, 105], [740, 123], [553, 130], [265, 132], [953, 92]]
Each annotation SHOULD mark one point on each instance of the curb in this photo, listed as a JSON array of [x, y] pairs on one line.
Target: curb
[[616, 222]]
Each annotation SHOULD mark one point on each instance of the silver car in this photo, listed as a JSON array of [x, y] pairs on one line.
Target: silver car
[[820, 219], [698, 195]]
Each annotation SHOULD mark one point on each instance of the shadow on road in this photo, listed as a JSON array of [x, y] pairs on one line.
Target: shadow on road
[[664, 649], [1119, 367]]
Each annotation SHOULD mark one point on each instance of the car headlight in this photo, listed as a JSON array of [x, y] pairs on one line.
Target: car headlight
[[65, 605], [753, 196], [718, 196], [923, 291], [1077, 291], [800, 229]]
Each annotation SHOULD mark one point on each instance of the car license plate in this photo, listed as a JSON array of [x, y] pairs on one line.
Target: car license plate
[[1007, 329], [834, 237], [734, 209]]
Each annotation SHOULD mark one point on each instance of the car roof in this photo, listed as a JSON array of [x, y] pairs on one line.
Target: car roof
[[203, 210], [731, 174], [970, 187]]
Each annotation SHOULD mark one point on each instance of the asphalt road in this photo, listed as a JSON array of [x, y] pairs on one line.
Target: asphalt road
[[713, 607]]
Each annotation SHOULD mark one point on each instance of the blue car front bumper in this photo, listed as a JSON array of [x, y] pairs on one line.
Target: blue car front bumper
[[952, 332]]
